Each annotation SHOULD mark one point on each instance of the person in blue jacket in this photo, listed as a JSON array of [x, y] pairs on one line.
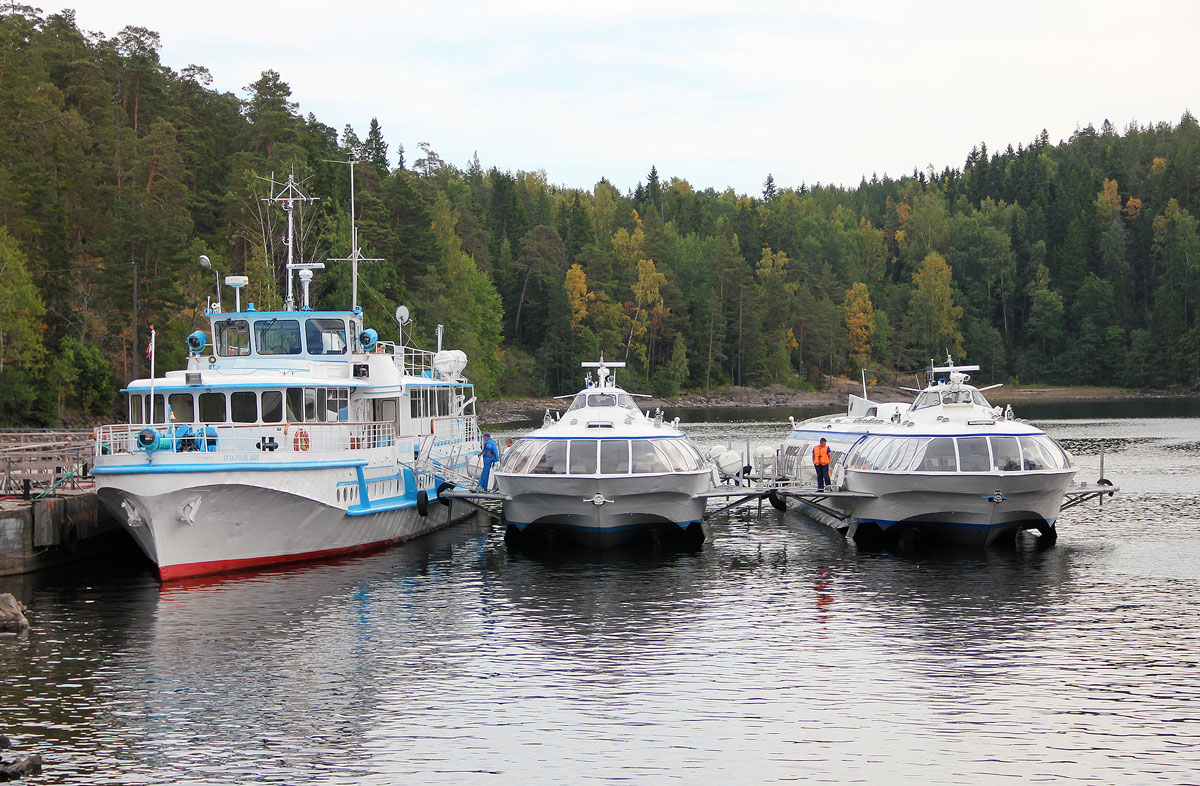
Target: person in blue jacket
[[491, 454]]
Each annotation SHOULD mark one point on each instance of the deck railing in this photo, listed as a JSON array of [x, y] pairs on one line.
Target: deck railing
[[42, 457], [296, 438]]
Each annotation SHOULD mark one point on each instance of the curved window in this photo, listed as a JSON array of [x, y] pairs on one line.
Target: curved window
[[938, 456], [602, 400], [1006, 454], [927, 399], [648, 457], [583, 457], [625, 401], [673, 450], [551, 460], [1042, 453], [903, 455], [978, 398], [614, 457], [578, 402], [277, 336]]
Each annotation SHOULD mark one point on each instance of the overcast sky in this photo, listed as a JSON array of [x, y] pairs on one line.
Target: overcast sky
[[717, 93]]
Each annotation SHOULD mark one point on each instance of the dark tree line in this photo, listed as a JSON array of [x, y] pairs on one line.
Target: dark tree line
[[1071, 262]]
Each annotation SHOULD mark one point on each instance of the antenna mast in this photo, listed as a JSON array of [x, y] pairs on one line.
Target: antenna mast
[[288, 195], [355, 254]]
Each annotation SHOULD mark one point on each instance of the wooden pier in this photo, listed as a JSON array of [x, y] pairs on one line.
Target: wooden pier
[[49, 514]]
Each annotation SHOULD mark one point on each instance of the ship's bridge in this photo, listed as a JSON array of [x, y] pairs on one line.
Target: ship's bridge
[[324, 335]]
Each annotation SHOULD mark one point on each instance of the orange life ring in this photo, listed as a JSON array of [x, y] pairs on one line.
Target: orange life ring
[[300, 441]]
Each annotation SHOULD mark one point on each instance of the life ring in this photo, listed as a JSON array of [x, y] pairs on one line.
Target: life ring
[[300, 441], [422, 503]]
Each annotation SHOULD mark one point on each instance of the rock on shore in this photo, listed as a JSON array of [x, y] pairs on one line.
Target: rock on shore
[[12, 613]]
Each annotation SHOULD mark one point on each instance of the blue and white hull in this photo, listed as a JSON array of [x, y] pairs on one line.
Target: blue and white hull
[[194, 520]]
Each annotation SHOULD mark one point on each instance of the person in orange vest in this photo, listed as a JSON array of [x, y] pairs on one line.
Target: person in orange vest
[[821, 464]]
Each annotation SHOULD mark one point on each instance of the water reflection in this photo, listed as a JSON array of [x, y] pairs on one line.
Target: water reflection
[[776, 651]]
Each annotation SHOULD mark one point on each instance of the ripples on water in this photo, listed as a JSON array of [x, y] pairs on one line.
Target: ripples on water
[[776, 652]]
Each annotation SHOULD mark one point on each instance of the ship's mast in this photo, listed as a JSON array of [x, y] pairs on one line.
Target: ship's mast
[[355, 254]]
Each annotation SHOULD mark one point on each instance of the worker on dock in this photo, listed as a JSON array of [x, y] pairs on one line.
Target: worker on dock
[[490, 455], [821, 464]]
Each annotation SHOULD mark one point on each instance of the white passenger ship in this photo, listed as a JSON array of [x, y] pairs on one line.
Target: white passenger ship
[[947, 467], [289, 435], [604, 474]]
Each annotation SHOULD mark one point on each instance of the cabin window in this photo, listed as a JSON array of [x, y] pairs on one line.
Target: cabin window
[[384, 409], [325, 336], [518, 460], [277, 336], [272, 406], [212, 407], [938, 456], [183, 407], [552, 460], [602, 400], [1006, 454], [583, 457], [243, 406], [904, 456], [160, 412], [137, 408], [314, 404], [973, 454], [295, 405], [648, 457], [614, 457], [233, 337], [337, 404]]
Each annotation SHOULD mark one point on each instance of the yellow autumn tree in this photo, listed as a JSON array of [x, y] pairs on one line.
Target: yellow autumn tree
[[1108, 201], [860, 322], [932, 315], [577, 295]]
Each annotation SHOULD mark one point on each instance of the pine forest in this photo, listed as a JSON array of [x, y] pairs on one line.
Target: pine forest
[[1072, 262]]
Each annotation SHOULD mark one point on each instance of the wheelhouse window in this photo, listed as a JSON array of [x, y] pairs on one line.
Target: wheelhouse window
[[233, 338], [277, 336], [325, 336]]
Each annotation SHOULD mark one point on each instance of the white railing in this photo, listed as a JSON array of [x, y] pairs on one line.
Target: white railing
[[448, 450], [410, 361], [297, 438]]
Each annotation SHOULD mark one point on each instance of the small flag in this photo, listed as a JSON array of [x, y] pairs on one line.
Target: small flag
[[150, 346]]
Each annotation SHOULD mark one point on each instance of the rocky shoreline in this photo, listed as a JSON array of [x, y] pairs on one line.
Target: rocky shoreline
[[517, 410]]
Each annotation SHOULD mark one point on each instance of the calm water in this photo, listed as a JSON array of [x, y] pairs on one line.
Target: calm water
[[777, 652]]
